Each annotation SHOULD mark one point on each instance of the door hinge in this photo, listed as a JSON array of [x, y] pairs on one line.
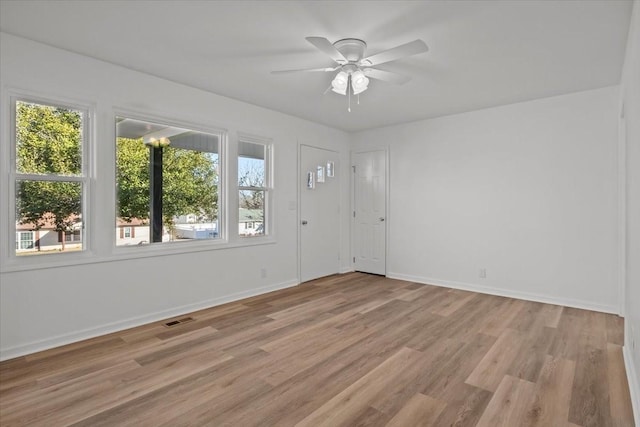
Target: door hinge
[[354, 259], [354, 169], [354, 214]]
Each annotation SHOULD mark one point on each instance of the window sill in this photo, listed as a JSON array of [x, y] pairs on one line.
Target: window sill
[[128, 253]]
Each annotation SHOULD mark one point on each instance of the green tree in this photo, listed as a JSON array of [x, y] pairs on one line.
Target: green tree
[[48, 141], [190, 182]]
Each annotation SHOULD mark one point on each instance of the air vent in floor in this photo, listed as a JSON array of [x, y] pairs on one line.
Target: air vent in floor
[[179, 321]]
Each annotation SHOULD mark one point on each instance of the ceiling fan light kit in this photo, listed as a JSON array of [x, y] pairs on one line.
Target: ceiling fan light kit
[[340, 83], [354, 69]]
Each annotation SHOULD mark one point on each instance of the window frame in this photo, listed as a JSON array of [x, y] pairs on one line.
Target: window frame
[[99, 242], [176, 246], [267, 221], [85, 178]]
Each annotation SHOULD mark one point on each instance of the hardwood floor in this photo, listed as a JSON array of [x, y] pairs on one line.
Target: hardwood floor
[[349, 350]]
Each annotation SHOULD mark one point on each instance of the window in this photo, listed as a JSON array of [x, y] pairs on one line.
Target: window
[[24, 240], [253, 187], [167, 183], [49, 175], [70, 236]]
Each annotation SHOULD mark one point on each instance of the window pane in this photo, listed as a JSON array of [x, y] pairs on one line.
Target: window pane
[[251, 213], [48, 139], [251, 162], [182, 166], [53, 210]]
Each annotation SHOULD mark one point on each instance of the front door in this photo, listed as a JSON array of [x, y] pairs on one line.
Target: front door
[[319, 213]]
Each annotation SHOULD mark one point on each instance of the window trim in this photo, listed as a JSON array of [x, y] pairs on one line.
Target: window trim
[[176, 246], [11, 259], [267, 222]]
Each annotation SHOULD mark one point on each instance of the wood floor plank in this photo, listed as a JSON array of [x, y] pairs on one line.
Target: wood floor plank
[[457, 299], [420, 411], [501, 316], [551, 315], [493, 367], [508, 406], [590, 405], [615, 330], [344, 407], [444, 377], [619, 397], [465, 406], [566, 340], [531, 355], [179, 397], [553, 393], [309, 389], [352, 349]]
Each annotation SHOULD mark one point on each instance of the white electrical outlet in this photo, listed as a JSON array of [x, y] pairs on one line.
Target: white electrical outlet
[[483, 273]]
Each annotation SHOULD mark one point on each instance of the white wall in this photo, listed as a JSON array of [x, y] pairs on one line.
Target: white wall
[[527, 191], [42, 308], [630, 94]]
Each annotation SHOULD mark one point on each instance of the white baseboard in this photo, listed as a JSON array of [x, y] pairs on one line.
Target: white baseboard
[[586, 305], [345, 270], [632, 379], [68, 338]]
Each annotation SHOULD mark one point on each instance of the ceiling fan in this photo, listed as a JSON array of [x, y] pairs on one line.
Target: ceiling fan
[[354, 69]]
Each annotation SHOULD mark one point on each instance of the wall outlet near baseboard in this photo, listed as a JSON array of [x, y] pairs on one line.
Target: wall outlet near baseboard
[[483, 273]]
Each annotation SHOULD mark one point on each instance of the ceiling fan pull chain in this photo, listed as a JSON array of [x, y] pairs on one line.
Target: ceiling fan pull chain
[[358, 99], [349, 93]]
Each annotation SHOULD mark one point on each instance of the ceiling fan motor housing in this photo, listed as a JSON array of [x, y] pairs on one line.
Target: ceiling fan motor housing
[[352, 49]]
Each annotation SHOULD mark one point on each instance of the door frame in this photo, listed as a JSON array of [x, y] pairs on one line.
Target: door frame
[[622, 210], [300, 189], [387, 206]]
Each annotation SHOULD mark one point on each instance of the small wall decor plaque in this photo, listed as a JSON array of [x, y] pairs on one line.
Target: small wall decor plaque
[[320, 174], [311, 184], [330, 170]]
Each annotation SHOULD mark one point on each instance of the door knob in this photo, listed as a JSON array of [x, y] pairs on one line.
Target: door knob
[[304, 222], [381, 219]]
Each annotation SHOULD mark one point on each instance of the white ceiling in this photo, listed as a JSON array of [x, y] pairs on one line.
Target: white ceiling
[[482, 53]]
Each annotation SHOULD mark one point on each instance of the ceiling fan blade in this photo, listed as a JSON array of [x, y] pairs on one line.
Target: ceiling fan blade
[[326, 46], [305, 70], [404, 50], [386, 76]]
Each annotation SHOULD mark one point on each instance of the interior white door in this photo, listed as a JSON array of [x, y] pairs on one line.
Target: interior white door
[[370, 201], [319, 214]]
